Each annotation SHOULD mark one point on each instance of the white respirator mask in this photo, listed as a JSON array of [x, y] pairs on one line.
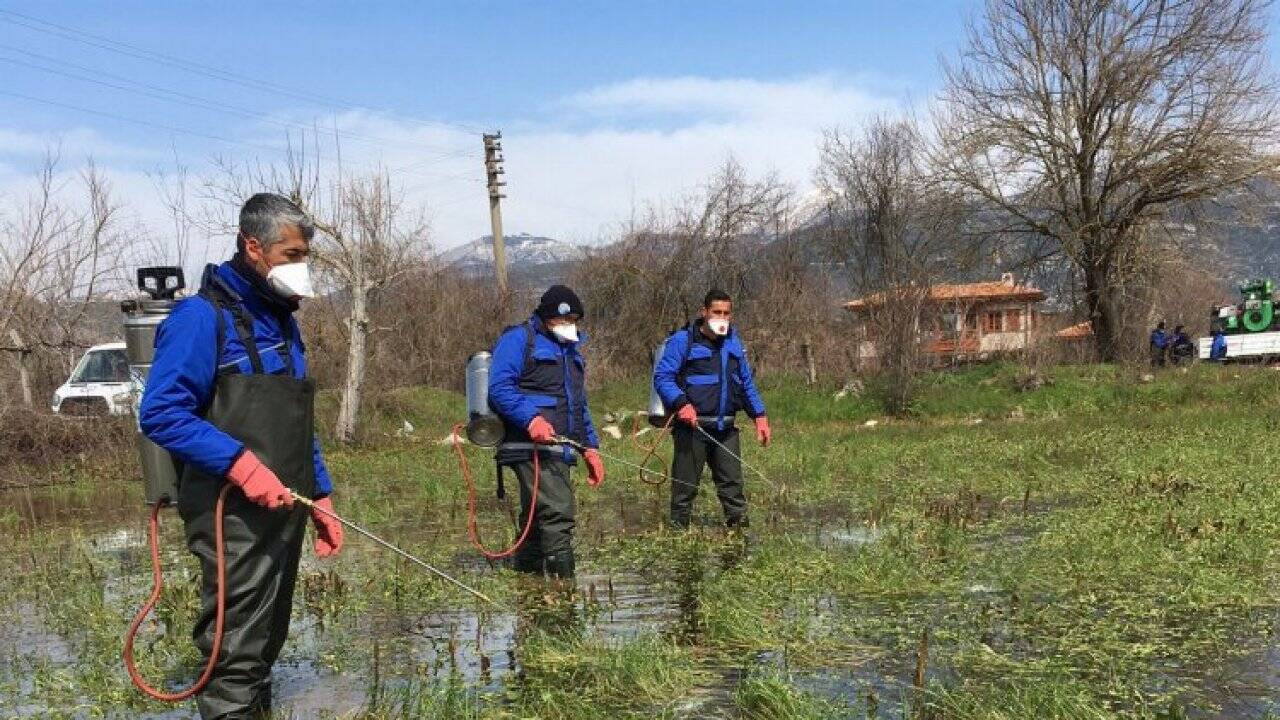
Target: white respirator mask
[[567, 333], [719, 326], [292, 280]]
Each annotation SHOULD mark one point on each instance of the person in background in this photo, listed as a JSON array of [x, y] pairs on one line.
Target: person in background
[[1158, 345], [1181, 349], [537, 385], [704, 378]]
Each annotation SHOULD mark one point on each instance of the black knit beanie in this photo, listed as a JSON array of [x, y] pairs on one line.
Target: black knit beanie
[[559, 300]]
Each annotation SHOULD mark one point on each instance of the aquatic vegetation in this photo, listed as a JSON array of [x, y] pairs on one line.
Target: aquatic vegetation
[[1097, 547]]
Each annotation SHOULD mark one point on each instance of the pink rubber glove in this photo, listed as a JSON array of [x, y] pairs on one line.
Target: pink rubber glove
[[688, 414], [328, 530], [763, 433], [257, 481], [595, 467], [541, 431]]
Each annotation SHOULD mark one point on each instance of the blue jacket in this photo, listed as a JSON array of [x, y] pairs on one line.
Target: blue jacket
[[713, 375], [185, 370], [1218, 350], [548, 379], [1159, 339]]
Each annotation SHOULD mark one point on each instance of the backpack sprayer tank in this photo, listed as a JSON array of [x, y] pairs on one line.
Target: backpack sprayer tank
[[141, 319], [483, 426], [657, 409]]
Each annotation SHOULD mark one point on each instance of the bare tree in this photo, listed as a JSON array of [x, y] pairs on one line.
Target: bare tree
[[367, 238], [368, 241], [1085, 121], [897, 231], [59, 258], [654, 278]]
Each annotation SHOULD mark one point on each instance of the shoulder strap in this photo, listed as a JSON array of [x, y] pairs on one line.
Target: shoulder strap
[[528, 343], [244, 327]]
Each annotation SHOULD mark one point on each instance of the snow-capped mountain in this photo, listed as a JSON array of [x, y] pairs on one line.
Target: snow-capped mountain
[[524, 251]]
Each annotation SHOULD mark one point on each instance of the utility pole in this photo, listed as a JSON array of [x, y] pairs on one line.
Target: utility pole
[[493, 168]]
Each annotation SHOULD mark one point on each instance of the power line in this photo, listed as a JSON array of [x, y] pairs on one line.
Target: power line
[[137, 121], [68, 33], [189, 131], [181, 98]]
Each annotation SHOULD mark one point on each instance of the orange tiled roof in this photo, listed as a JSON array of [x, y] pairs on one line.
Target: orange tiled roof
[[1078, 331], [946, 292]]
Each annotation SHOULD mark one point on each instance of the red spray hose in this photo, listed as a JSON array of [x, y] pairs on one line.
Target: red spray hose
[[473, 529], [157, 582]]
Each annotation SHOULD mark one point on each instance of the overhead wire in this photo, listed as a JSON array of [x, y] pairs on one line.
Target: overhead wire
[[104, 43], [164, 94]]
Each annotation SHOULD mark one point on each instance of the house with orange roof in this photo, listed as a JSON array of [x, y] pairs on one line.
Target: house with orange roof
[[962, 322]]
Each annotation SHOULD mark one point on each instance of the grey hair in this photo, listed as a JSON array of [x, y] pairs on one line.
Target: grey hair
[[264, 214]]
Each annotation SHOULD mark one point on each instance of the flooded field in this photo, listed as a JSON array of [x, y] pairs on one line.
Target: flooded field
[[889, 573]]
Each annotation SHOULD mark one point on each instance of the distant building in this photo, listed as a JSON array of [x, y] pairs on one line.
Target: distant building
[[963, 322]]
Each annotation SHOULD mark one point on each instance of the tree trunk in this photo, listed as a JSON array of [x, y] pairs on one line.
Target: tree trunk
[[358, 323], [24, 375], [1099, 299]]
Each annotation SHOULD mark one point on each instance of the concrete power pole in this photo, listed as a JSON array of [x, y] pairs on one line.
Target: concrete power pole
[[493, 168]]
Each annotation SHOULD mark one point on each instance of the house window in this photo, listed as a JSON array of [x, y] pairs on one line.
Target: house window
[[1013, 321], [991, 322]]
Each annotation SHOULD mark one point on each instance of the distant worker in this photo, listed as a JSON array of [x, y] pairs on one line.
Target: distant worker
[[1159, 345], [230, 398], [537, 385], [704, 378], [1181, 349], [1218, 347]]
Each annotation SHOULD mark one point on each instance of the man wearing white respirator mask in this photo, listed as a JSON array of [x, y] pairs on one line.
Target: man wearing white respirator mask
[[537, 385], [704, 378], [229, 397]]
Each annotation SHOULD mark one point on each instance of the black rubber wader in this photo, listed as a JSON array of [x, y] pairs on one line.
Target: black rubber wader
[[273, 415]]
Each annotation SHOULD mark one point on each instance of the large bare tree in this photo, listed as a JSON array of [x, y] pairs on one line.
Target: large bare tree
[[897, 231], [1085, 121]]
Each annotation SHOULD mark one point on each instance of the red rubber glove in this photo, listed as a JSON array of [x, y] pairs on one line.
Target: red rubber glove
[[595, 467], [688, 414], [541, 431], [257, 481], [763, 433], [328, 530]]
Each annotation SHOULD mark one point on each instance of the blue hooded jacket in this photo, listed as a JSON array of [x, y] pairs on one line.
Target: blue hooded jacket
[[187, 360], [713, 375], [547, 379]]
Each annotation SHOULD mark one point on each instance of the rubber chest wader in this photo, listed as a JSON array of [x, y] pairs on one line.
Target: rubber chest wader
[[273, 416]]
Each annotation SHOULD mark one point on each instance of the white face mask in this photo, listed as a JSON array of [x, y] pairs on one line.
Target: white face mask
[[292, 280], [567, 332], [718, 326]]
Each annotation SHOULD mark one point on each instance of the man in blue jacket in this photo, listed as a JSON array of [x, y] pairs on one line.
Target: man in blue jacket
[[704, 378], [537, 386], [228, 396], [1159, 344]]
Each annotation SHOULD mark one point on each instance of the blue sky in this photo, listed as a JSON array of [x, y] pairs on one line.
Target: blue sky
[[603, 105]]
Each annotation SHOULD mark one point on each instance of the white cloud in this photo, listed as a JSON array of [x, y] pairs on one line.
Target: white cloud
[[574, 172], [805, 102]]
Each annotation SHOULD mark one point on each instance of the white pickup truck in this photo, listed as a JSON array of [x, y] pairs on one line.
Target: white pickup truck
[[1263, 346], [101, 384]]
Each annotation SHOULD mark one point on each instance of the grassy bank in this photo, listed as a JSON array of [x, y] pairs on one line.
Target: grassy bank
[[1098, 546]]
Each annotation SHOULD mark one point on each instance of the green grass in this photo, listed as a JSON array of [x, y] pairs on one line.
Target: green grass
[[1098, 547]]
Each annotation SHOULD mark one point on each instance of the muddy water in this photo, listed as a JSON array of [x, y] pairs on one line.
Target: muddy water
[[481, 651]]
